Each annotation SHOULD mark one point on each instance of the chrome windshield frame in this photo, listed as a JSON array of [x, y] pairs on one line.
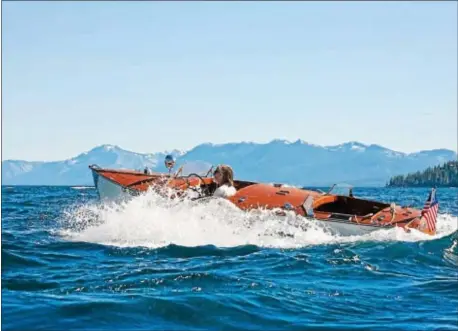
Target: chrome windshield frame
[[341, 186]]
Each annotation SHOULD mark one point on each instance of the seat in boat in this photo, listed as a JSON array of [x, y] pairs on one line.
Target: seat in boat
[[348, 205]]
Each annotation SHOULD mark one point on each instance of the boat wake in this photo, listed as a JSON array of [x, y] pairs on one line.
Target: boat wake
[[153, 221]]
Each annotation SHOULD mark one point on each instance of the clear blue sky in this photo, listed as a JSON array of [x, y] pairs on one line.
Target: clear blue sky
[[150, 76]]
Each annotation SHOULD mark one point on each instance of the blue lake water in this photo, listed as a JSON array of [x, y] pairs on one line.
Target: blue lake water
[[69, 262]]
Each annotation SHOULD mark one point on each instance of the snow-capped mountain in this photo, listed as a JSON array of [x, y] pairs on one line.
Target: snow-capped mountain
[[75, 170], [298, 163]]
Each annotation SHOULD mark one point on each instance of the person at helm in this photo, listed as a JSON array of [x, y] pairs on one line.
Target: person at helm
[[224, 178], [169, 162]]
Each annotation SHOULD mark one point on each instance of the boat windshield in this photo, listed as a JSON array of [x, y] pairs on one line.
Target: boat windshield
[[202, 169], [340, 189]]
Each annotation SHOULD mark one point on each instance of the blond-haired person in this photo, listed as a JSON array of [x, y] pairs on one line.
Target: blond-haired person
[[224, 178]]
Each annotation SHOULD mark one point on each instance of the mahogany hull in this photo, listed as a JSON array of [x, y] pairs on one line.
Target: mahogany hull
[[346, 215]]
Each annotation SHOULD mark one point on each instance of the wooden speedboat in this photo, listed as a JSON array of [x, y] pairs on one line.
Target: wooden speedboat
[[340, 211]]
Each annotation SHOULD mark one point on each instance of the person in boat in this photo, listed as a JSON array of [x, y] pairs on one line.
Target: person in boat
[[224, 178]]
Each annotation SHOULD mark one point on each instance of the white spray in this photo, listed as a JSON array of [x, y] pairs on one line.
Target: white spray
[[153, 221]]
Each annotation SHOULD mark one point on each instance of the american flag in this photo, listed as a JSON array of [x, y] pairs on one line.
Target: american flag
[[429, 212]]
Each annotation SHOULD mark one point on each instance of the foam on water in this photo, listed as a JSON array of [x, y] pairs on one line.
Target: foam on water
[[82, 187], [153, 221]]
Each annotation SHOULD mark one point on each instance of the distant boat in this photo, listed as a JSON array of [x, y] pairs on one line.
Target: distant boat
[[341, 211]]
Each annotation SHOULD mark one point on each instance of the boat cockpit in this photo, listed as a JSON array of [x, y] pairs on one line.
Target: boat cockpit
[[343, 202]]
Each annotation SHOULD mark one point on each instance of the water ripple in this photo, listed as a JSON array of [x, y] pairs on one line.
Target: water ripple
[[68, 262]]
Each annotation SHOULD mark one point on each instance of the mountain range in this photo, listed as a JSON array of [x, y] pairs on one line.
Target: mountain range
[[297, 163]]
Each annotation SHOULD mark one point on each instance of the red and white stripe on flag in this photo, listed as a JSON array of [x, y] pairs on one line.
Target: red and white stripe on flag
[[429, 212]]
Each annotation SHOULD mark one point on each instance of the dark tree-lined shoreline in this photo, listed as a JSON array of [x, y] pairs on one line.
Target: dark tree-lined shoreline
[[445, 175]]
